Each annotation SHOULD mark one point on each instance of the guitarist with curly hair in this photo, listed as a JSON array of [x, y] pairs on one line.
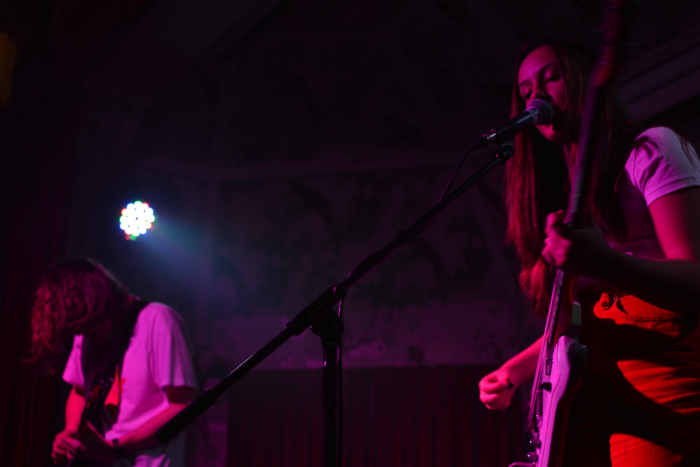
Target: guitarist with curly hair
[[136, 354]]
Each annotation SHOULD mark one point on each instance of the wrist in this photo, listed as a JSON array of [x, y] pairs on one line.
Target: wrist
[[71, 429], [512, 375], [521, 368]]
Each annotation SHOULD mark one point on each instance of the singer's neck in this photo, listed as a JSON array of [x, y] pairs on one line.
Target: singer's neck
[[569, 153], [570, 134]]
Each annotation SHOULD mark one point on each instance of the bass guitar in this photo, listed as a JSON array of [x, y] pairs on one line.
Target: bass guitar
[[562, 359]]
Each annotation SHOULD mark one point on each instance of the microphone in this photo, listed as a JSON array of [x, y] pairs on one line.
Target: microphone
[[538, 112]]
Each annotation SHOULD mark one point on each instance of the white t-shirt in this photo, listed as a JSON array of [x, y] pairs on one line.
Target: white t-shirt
[[657, 166], [159, 354]]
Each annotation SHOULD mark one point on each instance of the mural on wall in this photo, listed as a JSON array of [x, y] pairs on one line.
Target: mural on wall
[[282, 242]]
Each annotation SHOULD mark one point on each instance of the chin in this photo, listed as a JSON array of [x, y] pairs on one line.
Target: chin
[[551, 134]]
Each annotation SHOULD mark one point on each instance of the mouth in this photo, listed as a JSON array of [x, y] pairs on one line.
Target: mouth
[[557, 116]]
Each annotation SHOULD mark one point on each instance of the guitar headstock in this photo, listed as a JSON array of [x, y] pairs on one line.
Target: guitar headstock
[[611, 49]]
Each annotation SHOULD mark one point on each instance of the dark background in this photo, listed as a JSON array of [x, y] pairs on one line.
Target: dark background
[[280, 142]]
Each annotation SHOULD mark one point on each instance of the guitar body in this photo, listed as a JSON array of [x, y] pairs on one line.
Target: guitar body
[[565, 377], [568, 364]]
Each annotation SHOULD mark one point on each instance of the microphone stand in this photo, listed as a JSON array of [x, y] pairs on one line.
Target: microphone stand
[[330, 329], [325, 322]]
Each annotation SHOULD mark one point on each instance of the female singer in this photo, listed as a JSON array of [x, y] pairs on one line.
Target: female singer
[[638, 260]]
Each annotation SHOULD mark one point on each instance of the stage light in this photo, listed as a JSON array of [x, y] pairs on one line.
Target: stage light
[[136, 219]]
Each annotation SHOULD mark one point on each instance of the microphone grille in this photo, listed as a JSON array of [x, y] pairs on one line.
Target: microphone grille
[[543, 111]]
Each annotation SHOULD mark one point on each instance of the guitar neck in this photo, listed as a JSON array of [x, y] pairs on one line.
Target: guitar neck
[[91, 404], [562, 285], [579, 198], [575, 217]]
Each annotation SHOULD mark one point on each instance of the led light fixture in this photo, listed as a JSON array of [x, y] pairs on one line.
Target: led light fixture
[[136, 219]]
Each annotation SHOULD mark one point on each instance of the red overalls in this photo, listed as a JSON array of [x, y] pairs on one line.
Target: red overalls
[[639, 404]]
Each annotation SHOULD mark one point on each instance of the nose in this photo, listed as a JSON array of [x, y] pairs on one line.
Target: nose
[[538, 92]]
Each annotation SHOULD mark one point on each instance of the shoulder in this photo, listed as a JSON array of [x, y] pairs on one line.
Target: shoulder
[[659, 133], [159, 316], [662, 162], [660, 142]]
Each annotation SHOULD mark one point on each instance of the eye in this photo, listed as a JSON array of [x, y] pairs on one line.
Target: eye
[[552, 74]]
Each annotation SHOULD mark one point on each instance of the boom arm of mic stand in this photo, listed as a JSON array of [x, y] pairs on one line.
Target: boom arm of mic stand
[[318, 307]]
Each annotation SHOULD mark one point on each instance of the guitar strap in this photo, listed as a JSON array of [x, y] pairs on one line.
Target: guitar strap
[[99, 361]]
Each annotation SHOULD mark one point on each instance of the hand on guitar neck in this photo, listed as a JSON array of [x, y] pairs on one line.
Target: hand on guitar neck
[[581, 252], [68, 446], [72, 442]]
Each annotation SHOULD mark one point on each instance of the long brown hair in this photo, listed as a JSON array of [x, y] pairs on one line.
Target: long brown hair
[[72, 293], [537, 177]]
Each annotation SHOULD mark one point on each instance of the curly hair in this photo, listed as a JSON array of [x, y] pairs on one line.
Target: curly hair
[[72, 293]]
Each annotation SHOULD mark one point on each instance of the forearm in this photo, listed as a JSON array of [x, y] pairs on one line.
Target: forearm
[[74, 409], [671, 284], [522, 366], [144, 436]]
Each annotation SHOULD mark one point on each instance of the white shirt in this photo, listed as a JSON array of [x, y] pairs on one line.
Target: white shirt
[[158, 355], [658, 166]]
